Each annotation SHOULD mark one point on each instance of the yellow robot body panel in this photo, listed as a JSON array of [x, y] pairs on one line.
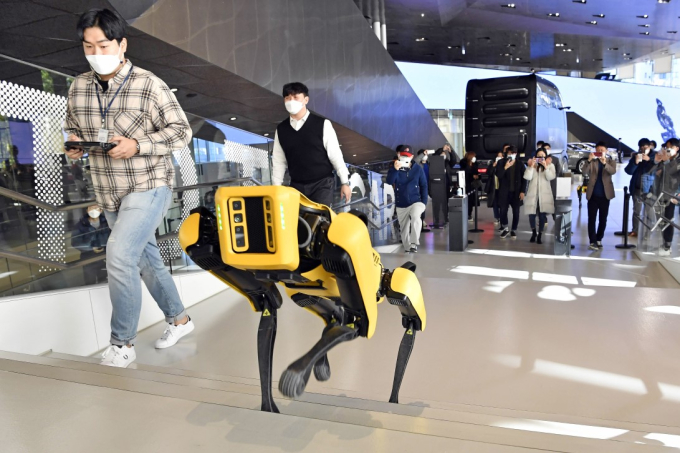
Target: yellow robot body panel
[[349, 233], [405, 282], [257, 227], [189, 234], [330, 288]]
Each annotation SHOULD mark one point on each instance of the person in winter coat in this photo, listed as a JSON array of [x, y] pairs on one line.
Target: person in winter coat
[[539, 198], [491, 188], [512, 187], [410, 190], [639, 166], [600, 170], [472, 181]]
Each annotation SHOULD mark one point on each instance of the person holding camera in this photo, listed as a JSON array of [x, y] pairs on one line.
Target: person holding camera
[[511, 190], [600, 170], [410, 190], [539, 199], [123, 104], [639, 167]]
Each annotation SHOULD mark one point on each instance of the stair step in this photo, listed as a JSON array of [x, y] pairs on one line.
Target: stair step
[[448, 423]]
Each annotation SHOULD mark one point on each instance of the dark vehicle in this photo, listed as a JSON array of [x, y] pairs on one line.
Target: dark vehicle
[[516, 110]]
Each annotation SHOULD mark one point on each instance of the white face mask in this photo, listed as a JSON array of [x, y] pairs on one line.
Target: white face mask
[[423, 159], [547, 152], [105, 64], [673, 152], [647, 151], [474, 159], [294, 107], [94, 213], [511, 156], [405, 161], [498, 158]]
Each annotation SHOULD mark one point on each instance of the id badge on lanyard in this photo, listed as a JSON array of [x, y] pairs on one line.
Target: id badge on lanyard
[[103, 134]]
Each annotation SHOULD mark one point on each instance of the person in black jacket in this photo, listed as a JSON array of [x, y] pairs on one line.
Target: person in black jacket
[[639, 164], [472, 181], [512, 187], [492, 186], [410, 189]]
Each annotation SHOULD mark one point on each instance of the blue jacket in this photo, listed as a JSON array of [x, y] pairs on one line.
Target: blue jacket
[[85, 236], [410, 186], [640, 173]]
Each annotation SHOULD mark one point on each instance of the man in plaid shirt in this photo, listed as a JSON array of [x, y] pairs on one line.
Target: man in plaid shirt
[[119, 103]]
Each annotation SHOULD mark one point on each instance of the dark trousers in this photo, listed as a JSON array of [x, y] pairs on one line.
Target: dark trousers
[[472, 201], [669, 213], [515, 203], [597, 204], [319, 192], [542, 219], [440, 198]]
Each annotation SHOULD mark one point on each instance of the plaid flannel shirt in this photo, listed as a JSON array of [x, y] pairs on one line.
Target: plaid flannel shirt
[[145, 110]]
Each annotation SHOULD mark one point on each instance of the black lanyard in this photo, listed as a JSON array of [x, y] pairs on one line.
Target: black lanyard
[[101, 110]]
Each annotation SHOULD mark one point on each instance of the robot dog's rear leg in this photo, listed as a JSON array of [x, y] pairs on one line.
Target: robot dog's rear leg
[[266, 336], [294, 378], [405, 349]]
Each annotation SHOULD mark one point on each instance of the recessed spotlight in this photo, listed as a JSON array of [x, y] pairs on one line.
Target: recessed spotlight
[[663, 1], [554, 14], [266, 134], [645, 16], [578, 1], [422, 14], [421, 39], [644, 25], [626, 54], [517, 59], [645, 33], [507, 55], [354, 155], [612, 48], [601, 16], [509, 5], [449, 47], [597, 59], [233, 118], [567, 50], [174, 90], [511, 45], [673, 32], [592, 22], [560, 44]]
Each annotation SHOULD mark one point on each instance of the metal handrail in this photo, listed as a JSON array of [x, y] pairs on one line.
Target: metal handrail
[[32, 201]]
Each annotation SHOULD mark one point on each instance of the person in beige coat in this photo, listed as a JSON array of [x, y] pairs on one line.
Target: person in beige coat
[[600, 192], [539, 199]]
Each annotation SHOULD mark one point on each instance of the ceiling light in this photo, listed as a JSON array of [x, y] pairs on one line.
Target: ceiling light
[[507, 55], [554, 14], [663, 1], [174, 90], [266, 134], [645, 33], [233, 118], [612, 48], [626, 54], [592, 22], [509, 5], [578, 1], [449, 47], [597, 59], [645, 16], [422, 14], [421, 39], [560, 44], [673, 32], [627, 58], [567, 50], [644, 25], [354, 155], [599, 15]]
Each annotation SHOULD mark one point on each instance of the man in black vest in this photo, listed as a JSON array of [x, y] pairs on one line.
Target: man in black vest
[[307, 145]]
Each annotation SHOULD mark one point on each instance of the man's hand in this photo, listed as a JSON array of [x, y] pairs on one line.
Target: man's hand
[[125, 148], [645, 157], [603, 159], [397, 164], [531, 163], [509, 163], [475, 176], [345, 193], [521, 197], [548, 161], [74, 153], [591, 156]]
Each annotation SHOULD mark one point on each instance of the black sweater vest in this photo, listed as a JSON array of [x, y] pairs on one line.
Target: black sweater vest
[[306, 155]]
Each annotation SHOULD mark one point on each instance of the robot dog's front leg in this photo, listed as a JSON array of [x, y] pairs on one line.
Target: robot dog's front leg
[[402, 289]]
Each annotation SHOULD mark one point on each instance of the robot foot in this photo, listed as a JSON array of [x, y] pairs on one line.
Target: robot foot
[[294, 379], [322, 369]]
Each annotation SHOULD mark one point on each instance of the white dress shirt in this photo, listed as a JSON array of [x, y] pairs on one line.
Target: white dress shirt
[[330, 142]]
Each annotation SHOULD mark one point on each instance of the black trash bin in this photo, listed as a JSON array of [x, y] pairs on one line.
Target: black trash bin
[[458, 224]]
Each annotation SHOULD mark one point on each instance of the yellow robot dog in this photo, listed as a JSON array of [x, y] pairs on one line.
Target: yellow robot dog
[[265, 235]]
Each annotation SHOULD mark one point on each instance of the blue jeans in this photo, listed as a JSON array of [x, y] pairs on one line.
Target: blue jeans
[[542, 219], [496, 208], [132, 255]]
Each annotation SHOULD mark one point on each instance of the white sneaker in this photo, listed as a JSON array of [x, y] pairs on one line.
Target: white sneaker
[[664, 251], [173, 333], [118, 357]]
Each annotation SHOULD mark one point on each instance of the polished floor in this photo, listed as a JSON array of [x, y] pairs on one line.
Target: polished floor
[[523, 352]]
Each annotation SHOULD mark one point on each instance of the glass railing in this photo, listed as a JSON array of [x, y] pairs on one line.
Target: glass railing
[[659, 223]]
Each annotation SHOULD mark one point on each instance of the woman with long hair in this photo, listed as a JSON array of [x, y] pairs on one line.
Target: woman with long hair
[[539, 199], [472, 181]]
